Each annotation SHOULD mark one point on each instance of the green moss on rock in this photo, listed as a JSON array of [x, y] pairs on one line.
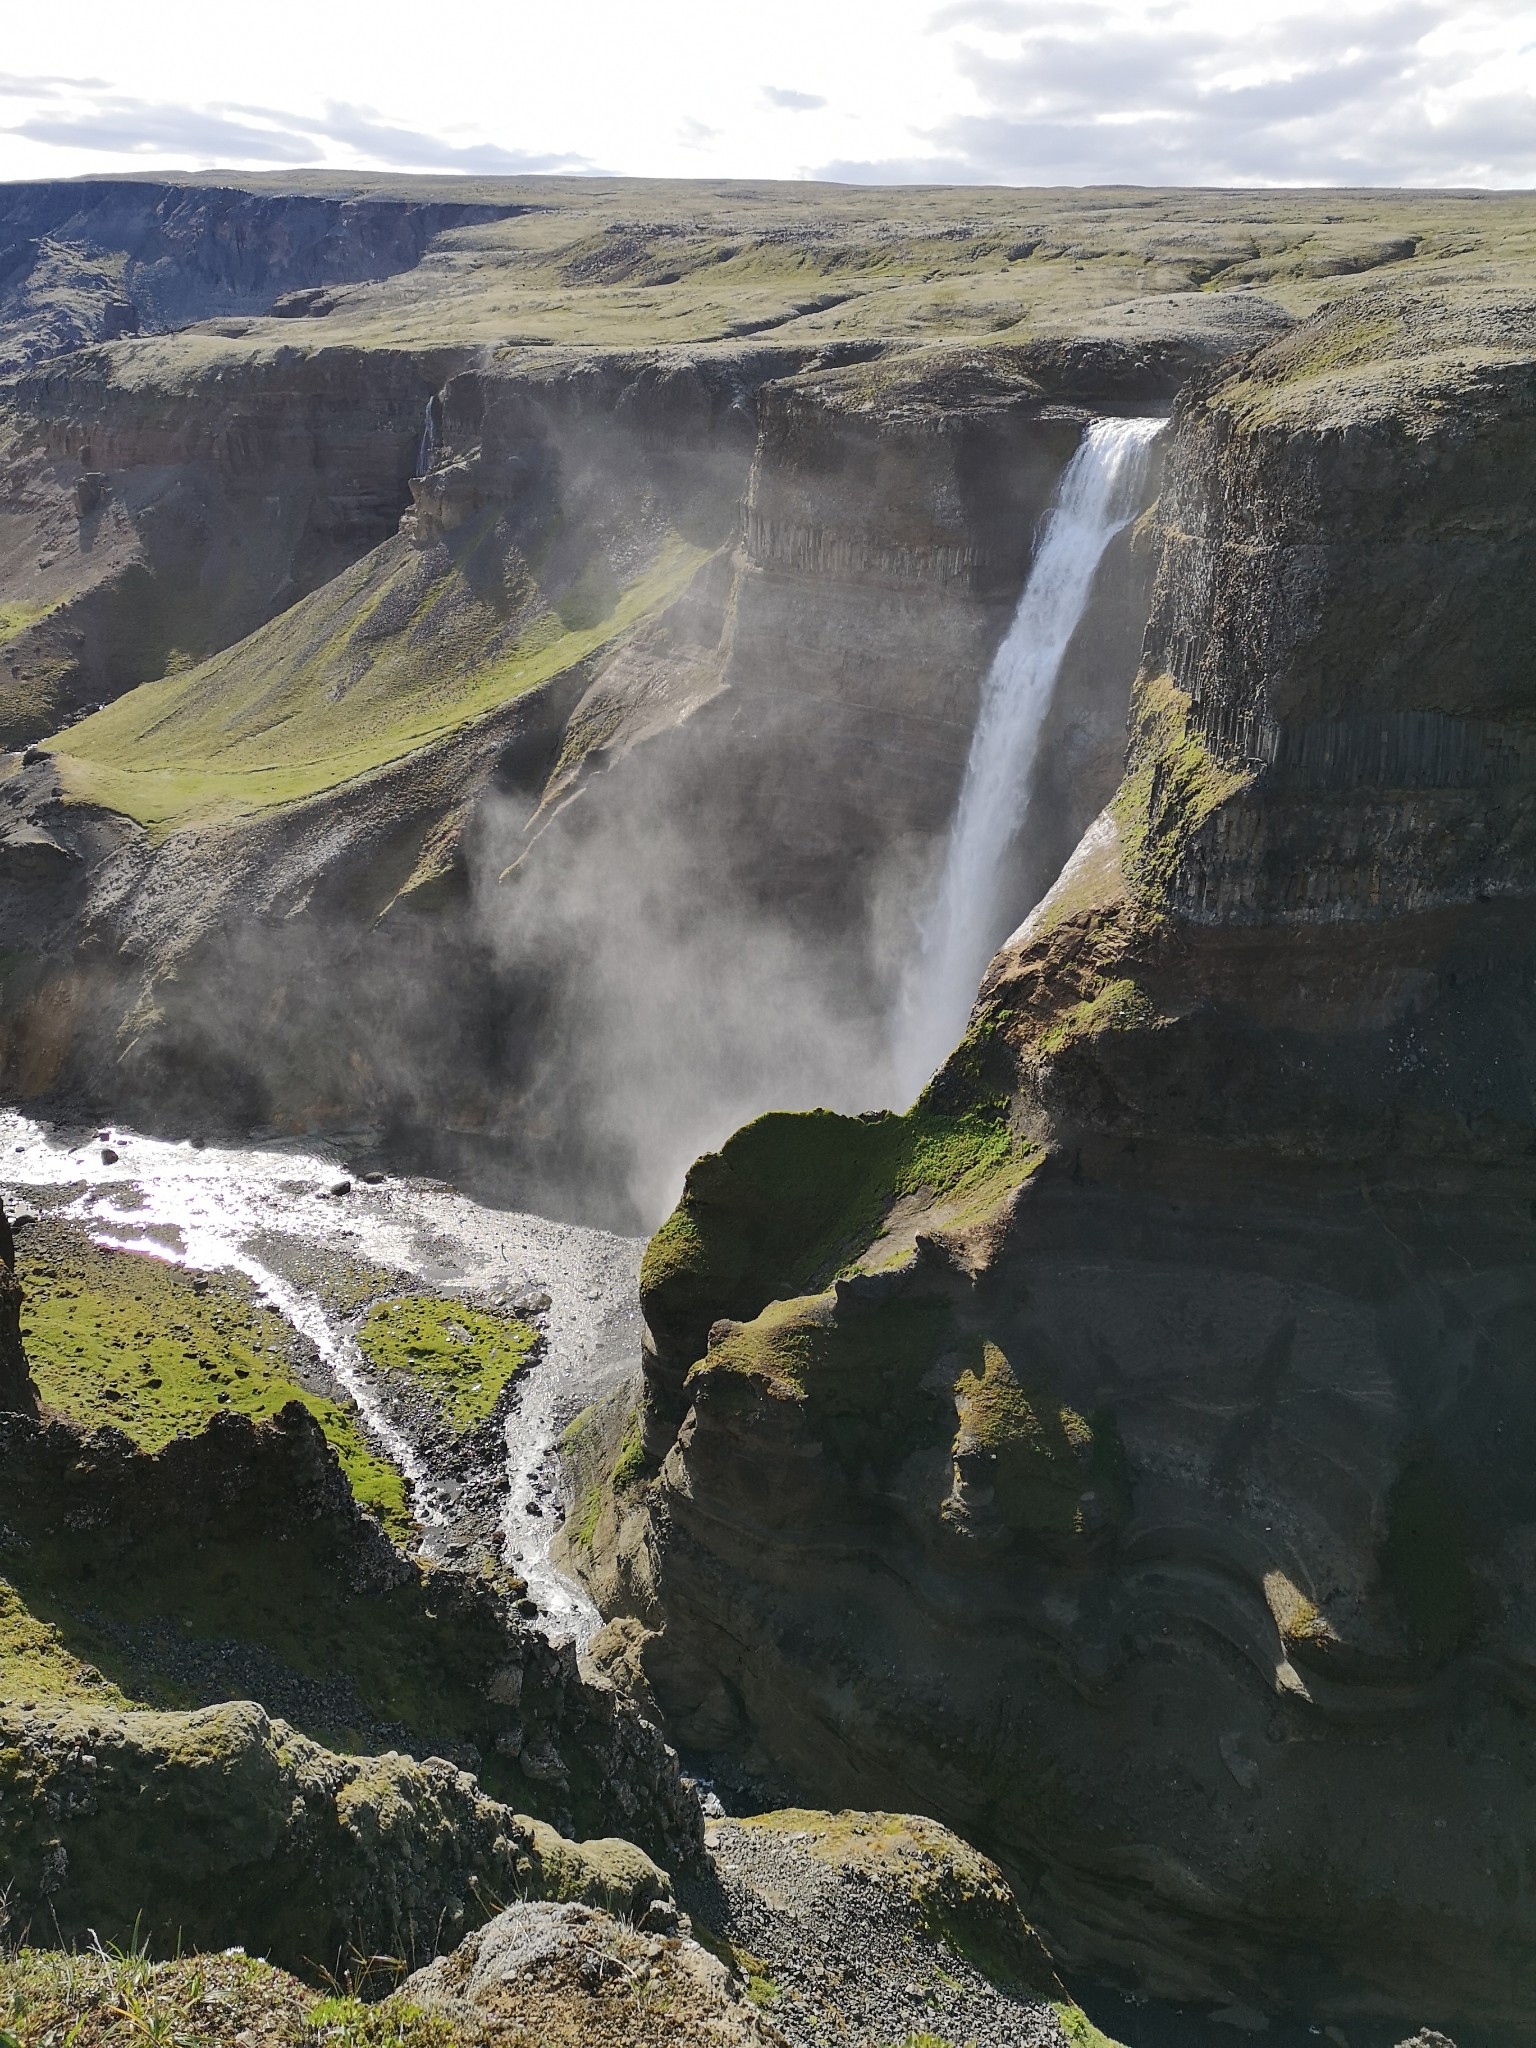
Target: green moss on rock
[[1037, 1451], [791, 1200], [958, 1896], [1173, 784], [225, 1826], [461, 1359]]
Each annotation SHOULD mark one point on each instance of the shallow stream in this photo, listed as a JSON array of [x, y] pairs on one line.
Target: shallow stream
[[265, 1210]]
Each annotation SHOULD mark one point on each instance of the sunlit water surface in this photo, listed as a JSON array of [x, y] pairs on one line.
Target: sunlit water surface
[[241, 1208]]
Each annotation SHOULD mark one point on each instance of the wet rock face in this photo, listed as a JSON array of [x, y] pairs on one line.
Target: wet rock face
[[1162, 1523]]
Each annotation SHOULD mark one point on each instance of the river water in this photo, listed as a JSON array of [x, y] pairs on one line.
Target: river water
[[262, 1210]]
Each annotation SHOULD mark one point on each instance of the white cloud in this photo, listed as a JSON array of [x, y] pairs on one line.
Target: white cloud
[[1411, 92], [793, 102], [1013, 91]]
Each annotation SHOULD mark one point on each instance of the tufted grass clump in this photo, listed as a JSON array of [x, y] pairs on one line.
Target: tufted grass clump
[[109, 1997]]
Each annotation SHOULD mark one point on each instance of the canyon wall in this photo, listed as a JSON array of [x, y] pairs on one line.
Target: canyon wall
[[480, 930], [92, 259], [1125, 1456], [153, 513]]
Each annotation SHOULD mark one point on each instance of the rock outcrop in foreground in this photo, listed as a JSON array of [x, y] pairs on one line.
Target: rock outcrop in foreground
[[228, 1827], [1127, 1456], [237, 1561]]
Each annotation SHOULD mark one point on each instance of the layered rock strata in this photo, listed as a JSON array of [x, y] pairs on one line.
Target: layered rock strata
[[86, 260], [1125, 1457], [775, 742], [154, 512]]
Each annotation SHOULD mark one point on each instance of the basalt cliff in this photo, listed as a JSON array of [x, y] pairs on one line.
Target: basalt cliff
[[488, 669], [1126, 1453]]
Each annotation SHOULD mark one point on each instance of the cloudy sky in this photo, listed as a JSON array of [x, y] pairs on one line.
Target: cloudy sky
[[1405, 92]]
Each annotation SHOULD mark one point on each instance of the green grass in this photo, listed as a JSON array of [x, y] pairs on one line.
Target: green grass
[[629, 1465], [391, 656], [650, 263], [792, 1199], [17, 616], [97, 1615], [51, 1998], [130, 1340], [462, 1358], [1173, 784], [37, 1663], [1080, 2030]]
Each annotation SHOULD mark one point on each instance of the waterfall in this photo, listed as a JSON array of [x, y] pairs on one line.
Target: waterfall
[[969, 917], [426, 454]]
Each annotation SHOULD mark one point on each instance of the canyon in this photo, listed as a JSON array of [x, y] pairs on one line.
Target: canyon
[[490, 668]]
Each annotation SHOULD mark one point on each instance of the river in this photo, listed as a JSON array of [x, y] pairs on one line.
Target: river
[[241, 1208]]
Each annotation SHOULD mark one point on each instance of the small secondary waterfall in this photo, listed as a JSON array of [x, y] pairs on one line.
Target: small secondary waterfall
[[1099, 494], [426, 454]]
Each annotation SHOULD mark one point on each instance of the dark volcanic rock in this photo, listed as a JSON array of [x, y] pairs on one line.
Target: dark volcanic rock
[[17, 1392], [90, 259], [1160, 1514], [101, 1528]]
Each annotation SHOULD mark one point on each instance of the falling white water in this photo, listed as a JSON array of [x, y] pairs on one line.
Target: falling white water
[[1099, 494], [426, 453]]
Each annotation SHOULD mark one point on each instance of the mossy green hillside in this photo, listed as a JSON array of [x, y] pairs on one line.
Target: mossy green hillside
[[36, 1662], [154, 1350], [602, 1454], [461, 1358], [197, 1830], [162, 1619], [792, 1199], [395, 654], [656, 263]]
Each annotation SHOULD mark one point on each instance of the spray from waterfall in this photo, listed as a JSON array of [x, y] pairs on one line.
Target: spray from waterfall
[[970, 915]]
